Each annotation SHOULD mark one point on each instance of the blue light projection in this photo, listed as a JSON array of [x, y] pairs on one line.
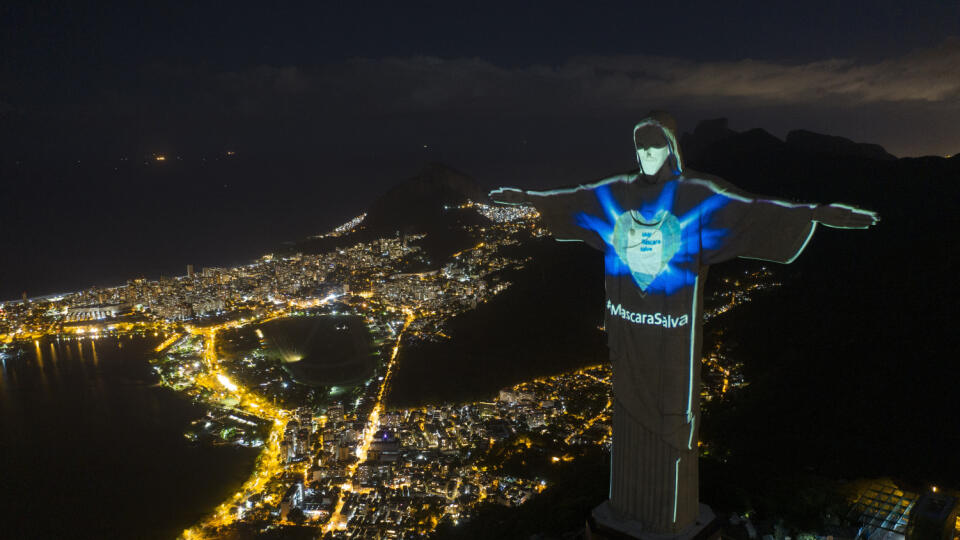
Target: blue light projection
[[650, 243]]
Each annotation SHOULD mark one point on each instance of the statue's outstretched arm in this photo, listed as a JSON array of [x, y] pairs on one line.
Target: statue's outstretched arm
[[843, 216], [508, 195], [767, 228], [559, 209]]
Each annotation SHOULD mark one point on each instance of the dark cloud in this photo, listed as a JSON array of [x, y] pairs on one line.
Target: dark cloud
[[430, 83], [911, 86], [922, 75], [907, 103]]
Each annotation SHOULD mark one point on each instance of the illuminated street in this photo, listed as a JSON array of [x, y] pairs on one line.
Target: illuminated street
[[334, 458], [373, 422], [269, 463]]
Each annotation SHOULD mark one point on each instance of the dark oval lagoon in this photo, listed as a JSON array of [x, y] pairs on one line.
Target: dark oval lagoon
[[91, 447], [322, 350]]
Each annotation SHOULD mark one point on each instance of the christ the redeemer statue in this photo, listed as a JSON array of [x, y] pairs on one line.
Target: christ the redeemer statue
[[660, 229]]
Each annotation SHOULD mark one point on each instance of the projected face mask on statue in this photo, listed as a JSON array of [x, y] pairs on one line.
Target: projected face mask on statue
[[652, 158], [652, 149]]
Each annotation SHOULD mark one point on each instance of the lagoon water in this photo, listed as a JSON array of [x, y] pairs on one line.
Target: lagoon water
[[91, 447], [322, 350]]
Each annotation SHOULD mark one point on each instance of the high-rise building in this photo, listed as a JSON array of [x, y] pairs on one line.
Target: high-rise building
[[293, 498], [335, 413], [345, 451]]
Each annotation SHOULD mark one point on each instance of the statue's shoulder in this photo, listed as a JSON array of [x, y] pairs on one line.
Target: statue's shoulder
[[699, 180], [621, 178]]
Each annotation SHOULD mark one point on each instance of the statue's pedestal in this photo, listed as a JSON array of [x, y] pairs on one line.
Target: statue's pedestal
[[606, 524]]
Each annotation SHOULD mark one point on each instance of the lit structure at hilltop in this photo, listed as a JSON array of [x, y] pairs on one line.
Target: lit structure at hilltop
[[660, 228]]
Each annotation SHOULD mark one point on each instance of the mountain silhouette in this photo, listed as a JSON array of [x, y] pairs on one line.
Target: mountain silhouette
[[427, 204], [706, 134], [416, 205], [853, 347], [715, 136], [809, 141]]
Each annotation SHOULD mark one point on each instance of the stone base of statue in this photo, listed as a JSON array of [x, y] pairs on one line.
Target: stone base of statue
[[606, 524]]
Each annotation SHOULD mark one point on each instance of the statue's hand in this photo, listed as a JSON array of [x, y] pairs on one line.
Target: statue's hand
[[507, 195], [842, 216]]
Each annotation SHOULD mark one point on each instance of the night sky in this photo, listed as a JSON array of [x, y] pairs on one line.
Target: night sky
[[327, 106]]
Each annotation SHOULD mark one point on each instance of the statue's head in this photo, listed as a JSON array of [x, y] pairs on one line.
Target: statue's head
[[655, 141], [652, 151]]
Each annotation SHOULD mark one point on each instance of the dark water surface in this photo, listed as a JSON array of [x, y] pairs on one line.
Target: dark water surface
[[322, 351], [91, 448]]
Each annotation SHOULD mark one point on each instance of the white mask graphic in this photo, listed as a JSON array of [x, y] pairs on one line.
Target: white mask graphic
[[644, 248], [646, 245], [652, 158]]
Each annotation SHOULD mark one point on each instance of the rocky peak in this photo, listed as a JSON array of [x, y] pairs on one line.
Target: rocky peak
[[817, 143]]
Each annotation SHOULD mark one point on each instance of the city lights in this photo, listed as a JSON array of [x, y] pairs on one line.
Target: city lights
[[226, 382], [353, 453]]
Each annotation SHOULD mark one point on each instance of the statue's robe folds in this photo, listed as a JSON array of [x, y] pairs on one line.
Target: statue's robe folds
[[659, 240]]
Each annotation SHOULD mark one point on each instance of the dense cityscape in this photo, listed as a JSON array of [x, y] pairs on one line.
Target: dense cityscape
[[256, 284], [342, 462]]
